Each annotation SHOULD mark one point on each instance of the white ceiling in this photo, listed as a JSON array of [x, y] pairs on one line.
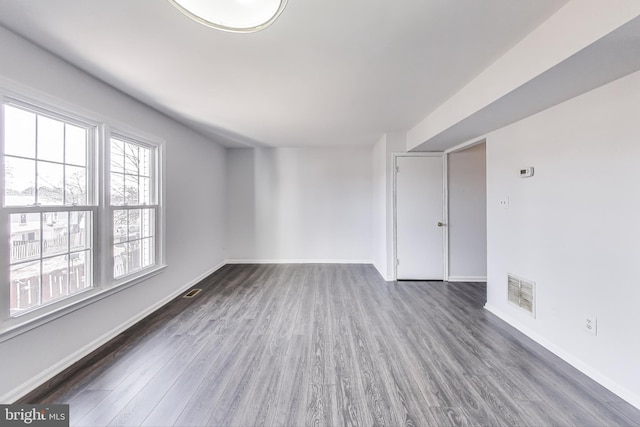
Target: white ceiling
[[327, 73]]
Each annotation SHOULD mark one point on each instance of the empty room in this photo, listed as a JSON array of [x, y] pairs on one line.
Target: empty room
[[289, 213]]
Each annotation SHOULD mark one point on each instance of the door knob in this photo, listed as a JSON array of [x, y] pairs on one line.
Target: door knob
[[441, 224]]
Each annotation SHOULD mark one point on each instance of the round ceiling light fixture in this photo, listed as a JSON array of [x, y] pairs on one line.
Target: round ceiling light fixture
[[237, 16]]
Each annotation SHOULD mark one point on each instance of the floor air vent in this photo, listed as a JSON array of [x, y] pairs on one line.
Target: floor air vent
[[192, 293], [522, 293]]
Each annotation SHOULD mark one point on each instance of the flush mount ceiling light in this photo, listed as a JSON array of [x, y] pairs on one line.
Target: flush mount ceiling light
[[238, 16]]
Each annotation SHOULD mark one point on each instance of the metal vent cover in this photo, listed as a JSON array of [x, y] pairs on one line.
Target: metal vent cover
[[521, 292], [513, 290], [192, 293]]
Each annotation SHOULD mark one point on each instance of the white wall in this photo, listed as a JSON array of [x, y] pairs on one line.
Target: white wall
[[467, 222], [309, 204], [573, 228], [379, 212], [393, 142], [194, 218]]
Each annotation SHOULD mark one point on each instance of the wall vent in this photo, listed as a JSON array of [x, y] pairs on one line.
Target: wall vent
[[192, 293], [522, 293]]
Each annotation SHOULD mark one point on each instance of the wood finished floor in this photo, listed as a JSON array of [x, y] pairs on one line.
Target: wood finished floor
[[328, 345]]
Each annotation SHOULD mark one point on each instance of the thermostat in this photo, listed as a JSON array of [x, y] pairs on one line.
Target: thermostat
[[526, 172]]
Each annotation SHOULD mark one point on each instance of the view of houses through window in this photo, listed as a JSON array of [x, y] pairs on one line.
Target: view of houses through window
[[50, 257], [45, 180], [132, 195]]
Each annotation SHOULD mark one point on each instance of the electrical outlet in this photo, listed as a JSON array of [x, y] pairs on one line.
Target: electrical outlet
[[504, 203], [591, 324]]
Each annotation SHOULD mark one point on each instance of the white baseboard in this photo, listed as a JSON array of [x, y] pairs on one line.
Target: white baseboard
[[383, 274], [602, 379], [299, 261], [467, 279], [311, 261], [63, 364]]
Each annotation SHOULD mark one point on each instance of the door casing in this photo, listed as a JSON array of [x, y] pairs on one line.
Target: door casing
[[445, 234]]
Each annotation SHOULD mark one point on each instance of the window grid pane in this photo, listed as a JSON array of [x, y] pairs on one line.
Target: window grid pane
[[50, 139], [20, 132], [45, 160], [132, 190], [134, 241], [55, 235], [131, 168], [131, 159], [50, 257], [20, 181], [75, 185], [25, 286], [50, 179], [75, 145]]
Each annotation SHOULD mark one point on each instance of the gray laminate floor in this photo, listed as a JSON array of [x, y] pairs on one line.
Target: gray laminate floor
[[331, 345]]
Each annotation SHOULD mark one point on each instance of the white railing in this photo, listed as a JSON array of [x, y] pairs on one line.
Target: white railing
[[37, 290], [26, 249], [31, 248]]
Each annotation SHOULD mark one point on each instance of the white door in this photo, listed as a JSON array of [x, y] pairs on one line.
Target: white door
[[419, 218]]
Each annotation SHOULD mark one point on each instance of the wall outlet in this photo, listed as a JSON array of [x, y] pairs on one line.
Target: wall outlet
[[591, 324], [504, 203]]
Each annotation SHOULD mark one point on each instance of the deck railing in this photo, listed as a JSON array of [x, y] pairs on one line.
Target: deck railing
[[31, 248]]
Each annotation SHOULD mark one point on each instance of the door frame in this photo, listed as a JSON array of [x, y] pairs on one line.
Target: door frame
[[445, 213]]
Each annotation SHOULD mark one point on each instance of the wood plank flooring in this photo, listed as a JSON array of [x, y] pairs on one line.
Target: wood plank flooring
[[328, 345]]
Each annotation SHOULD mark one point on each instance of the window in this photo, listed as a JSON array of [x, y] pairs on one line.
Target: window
[[133, 203], [46, 199], [73, 228]]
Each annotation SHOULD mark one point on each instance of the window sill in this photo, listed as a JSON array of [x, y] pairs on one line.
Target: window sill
[[16, 326]]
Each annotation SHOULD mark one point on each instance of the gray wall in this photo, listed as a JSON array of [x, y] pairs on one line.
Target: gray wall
[[299, 204], [468, 214]]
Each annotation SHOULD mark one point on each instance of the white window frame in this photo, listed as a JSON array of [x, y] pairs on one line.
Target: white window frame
[[98, 203], [157, 186]]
